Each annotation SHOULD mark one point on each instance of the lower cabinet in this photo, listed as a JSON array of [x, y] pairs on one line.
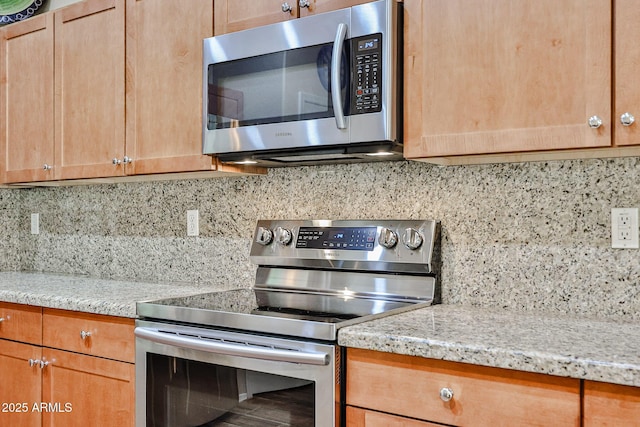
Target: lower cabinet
[[610, 405], [427, 390], [82, 374]]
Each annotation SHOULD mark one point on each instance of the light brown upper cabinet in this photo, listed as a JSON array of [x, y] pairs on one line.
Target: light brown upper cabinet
[[239, 15], [164, 85], [26, 100], [510, 81], [63, 93]]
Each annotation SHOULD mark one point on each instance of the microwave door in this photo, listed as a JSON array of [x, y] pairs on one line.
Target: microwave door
[[289, 92]]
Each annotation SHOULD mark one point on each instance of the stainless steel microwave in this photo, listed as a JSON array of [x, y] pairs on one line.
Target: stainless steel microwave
[[326, 88]]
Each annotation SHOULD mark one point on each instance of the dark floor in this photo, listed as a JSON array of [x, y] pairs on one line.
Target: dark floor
[[283, 408]]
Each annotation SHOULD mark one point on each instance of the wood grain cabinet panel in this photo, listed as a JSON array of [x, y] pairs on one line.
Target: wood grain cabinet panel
[[20, 384], [93, 334], [90, 89], [357, 417], [88, 390], [610, 405], [410, 386], [498, 76], [19, 322], [26, 100]]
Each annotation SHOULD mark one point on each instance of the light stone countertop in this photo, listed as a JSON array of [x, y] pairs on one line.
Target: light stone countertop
[[592, 349], [86, 294]]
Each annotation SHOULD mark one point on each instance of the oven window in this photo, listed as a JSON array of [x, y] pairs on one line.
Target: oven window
[[189, 393], [285, 86]]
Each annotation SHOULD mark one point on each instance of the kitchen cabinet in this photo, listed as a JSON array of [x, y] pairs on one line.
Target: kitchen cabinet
[[65, 368], [416, 388], [239, 15], [63, 93], [610, 404], [164, 86], [505, 81]]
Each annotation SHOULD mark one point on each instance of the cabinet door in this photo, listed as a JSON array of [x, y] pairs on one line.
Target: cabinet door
[[26, 102], [164, 94], [320, 6], [627, 64], [610, 405], [90, 72], [239, 15], [20, 384], [88, 390], [498, 76], [19, 322]]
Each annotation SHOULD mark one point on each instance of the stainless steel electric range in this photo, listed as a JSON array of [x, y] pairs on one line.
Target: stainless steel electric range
[[268, 355]]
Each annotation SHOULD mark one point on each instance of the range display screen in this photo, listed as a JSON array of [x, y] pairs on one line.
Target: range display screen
[[343, 238]]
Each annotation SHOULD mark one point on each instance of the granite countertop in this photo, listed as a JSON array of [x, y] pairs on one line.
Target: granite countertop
[[592, 349], [87, 294]]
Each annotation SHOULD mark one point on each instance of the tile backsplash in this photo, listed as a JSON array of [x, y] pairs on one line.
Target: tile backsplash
[[529, 236]]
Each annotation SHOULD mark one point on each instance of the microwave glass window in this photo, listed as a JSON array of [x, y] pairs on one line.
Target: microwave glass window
[[183, 393], [285, 86]]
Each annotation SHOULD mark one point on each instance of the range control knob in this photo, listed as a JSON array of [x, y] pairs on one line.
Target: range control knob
[[264, 236], [388, 238], [283, 236], [411, 238]]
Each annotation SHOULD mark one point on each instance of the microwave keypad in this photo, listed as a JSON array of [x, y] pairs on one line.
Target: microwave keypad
[[368, 74]]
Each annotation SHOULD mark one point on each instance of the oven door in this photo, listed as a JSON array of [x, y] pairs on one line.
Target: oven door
[[188, 376]]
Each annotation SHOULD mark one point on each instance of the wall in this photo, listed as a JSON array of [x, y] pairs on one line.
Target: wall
[[531, 236]]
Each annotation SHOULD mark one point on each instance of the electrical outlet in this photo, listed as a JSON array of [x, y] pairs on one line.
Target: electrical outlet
[[624, 228], [193, 227], [35, 223]]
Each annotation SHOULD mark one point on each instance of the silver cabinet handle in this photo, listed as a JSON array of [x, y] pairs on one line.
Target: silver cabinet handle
[[43, 364], [46, 167], [116, 161], [446, 394], [336, 61], [286, 8], [85, 334], [1, 319], [627, 119], [127, 160], [232, 349], [33, 362], [304, 3], [595, 122]]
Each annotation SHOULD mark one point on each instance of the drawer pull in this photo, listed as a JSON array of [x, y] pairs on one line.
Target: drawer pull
[[33, 362], [446, 394], [1, 319], [85, 334]]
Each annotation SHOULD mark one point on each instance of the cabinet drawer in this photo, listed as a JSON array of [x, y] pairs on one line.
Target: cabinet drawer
[[21, 323], [610, 404], [94, 334], [357, 417], [410, 386]]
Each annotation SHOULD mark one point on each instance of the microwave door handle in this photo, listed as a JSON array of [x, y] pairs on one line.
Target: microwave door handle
[[232, 349], [336, 84]]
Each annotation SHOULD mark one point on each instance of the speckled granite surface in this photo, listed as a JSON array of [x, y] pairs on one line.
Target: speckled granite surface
[[111, 297], [593, 349]]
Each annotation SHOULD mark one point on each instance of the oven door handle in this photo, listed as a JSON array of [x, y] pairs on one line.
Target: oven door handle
[[232, 349]]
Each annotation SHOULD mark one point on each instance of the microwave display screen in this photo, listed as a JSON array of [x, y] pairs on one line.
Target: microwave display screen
[[367, 44]]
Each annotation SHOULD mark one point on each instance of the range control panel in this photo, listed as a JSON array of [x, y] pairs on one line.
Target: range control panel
[[407, 246], [367, 79]]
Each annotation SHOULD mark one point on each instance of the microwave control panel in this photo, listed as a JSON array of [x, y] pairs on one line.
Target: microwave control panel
[[367, 60]]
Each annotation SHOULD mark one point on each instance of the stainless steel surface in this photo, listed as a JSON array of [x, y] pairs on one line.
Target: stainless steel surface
[[211, 343], [398, 259], [595, 122], [446, 394], [313, 141], [323, 376], [627, 119]]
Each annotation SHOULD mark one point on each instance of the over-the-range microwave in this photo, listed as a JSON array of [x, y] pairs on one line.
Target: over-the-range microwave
[[269, 93]]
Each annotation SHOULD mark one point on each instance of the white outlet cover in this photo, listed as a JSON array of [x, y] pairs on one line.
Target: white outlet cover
[[35, 223], [624, 228], [193, 226]]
